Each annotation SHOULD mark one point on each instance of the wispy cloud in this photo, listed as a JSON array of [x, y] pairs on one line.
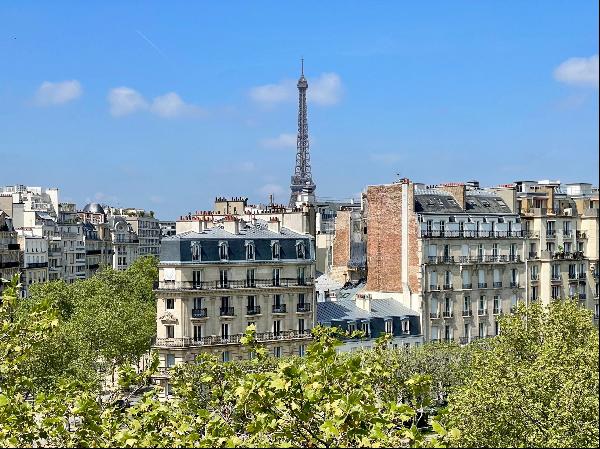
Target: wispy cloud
[[323, 90], [125, 100], [578, 71], [156, 199], [282, 141], [58, 93]]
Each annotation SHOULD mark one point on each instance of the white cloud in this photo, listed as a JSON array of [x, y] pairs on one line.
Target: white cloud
[[283, 140], [578, 71], [58, 93], [157, 199], [326, 90], [171, 105], [124, 101], [271, 94]]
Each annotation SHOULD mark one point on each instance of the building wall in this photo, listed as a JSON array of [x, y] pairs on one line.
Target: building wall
[[341, 247]]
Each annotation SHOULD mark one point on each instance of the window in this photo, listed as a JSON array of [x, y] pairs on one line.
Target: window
[[277, 351], [351, 327], [482, 331], [170, 360], [429, 226], [555, 291], [251, 302], [534, 293], [250, 277], [365, 329], [223, 251], [225, 330], [405, 326], [482, 304], [300, 250], [170, 303], [447, 332], [301, 278], [496, 304], [467, 304], [442, 227], [170, 331], [448, 306], [301, 327], [275, 250], [196, 251], [467, 331], [197, 332], [301, 350], [480, 251], [276, 277], [389, 326], [198, 303], [277, 300], [225, 356], [301, 299], [249, 251], [197, 278], [277, 327]]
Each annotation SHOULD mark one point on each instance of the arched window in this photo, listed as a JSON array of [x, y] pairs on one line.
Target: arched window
[[301, 250], [250, 250], [223, 251], [196, 250], [275, 250]]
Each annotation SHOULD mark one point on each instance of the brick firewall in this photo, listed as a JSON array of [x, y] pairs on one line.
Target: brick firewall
[[384, 238]]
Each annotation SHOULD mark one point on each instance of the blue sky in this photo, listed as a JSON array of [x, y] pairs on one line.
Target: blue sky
[[165, 105]]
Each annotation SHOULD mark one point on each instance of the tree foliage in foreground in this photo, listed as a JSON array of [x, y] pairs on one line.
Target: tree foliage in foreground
[[378, 398], [535, 385]]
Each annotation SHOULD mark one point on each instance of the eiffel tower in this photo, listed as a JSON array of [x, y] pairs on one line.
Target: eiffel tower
[[302, 185]]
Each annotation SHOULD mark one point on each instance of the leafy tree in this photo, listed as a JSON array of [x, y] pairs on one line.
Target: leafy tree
[[535, 385]]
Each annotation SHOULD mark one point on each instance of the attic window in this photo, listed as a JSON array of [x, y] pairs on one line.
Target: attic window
[[485, 220], [500, 219], [300, 250], [430, 202], [485, 203], [275, 250], [223, 251], [451, 219], [196, 250]]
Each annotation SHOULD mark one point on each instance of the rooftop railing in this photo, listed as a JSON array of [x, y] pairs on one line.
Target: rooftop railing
[[234, 284], [230, 339], [428, 234]]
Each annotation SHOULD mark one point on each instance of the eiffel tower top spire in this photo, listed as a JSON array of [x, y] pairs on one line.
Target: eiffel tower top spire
[[302, 183]]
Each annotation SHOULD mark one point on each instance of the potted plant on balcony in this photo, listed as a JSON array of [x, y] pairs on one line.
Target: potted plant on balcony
[[560, 254]]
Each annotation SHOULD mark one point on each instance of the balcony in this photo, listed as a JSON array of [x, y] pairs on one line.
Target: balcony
[[93, 266], [226, 311], [573, 276], [497, 284], [467, 313], [533, 255], [253, 310], [303, 307], [231, 339], [448, 314], [200, 313], [581, 235], [37, 265], [550, 234], [567, 234], [434, 315], [233, 284], [91, 252], [482, 285], [467, 286], [433, 287], [497, 311], [481, 312], [555, 278], [469, 234], [514, 285], [447, 287], [13, 246], [535, 276], [9, 264], [279, 308], [582, 276]]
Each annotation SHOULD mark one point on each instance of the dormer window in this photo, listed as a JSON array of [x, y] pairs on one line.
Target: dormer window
[[301, 250], [405, 326], [275, 250], [196, 250], [250, 250], [223, 251]]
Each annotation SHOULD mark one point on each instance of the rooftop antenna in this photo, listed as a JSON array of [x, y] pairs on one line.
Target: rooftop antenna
[[302, 59]]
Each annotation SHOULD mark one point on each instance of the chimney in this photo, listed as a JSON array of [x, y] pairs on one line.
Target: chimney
[[231, 224], [457, 190], [363, 301], [274, 225]]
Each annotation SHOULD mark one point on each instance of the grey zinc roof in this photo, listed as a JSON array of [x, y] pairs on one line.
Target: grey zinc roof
[[346, 309], [258, 231], [437, 203], [478, 203]]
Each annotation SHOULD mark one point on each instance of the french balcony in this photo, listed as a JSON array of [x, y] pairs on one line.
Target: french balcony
[[9, 264], [448, 314], [467, 313], [535, 276], [573, 276], [447, 286], [253, 310], [497, 284], [279, 308], [433, 287], [481, 312], [482, 285], [434, 315], [555, 279], [514, 285], [582, 276], [199, 313], [550, 234], [13, 246], [581, 235], [226, 311], [497, 311], [533, 255], [234, 284], [467, 286], [470, 234], [37, 265], [303, 307], [567, 234]]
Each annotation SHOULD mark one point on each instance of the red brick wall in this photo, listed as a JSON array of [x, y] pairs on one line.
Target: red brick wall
[[414, 261], [341, 241], [384, 238]]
